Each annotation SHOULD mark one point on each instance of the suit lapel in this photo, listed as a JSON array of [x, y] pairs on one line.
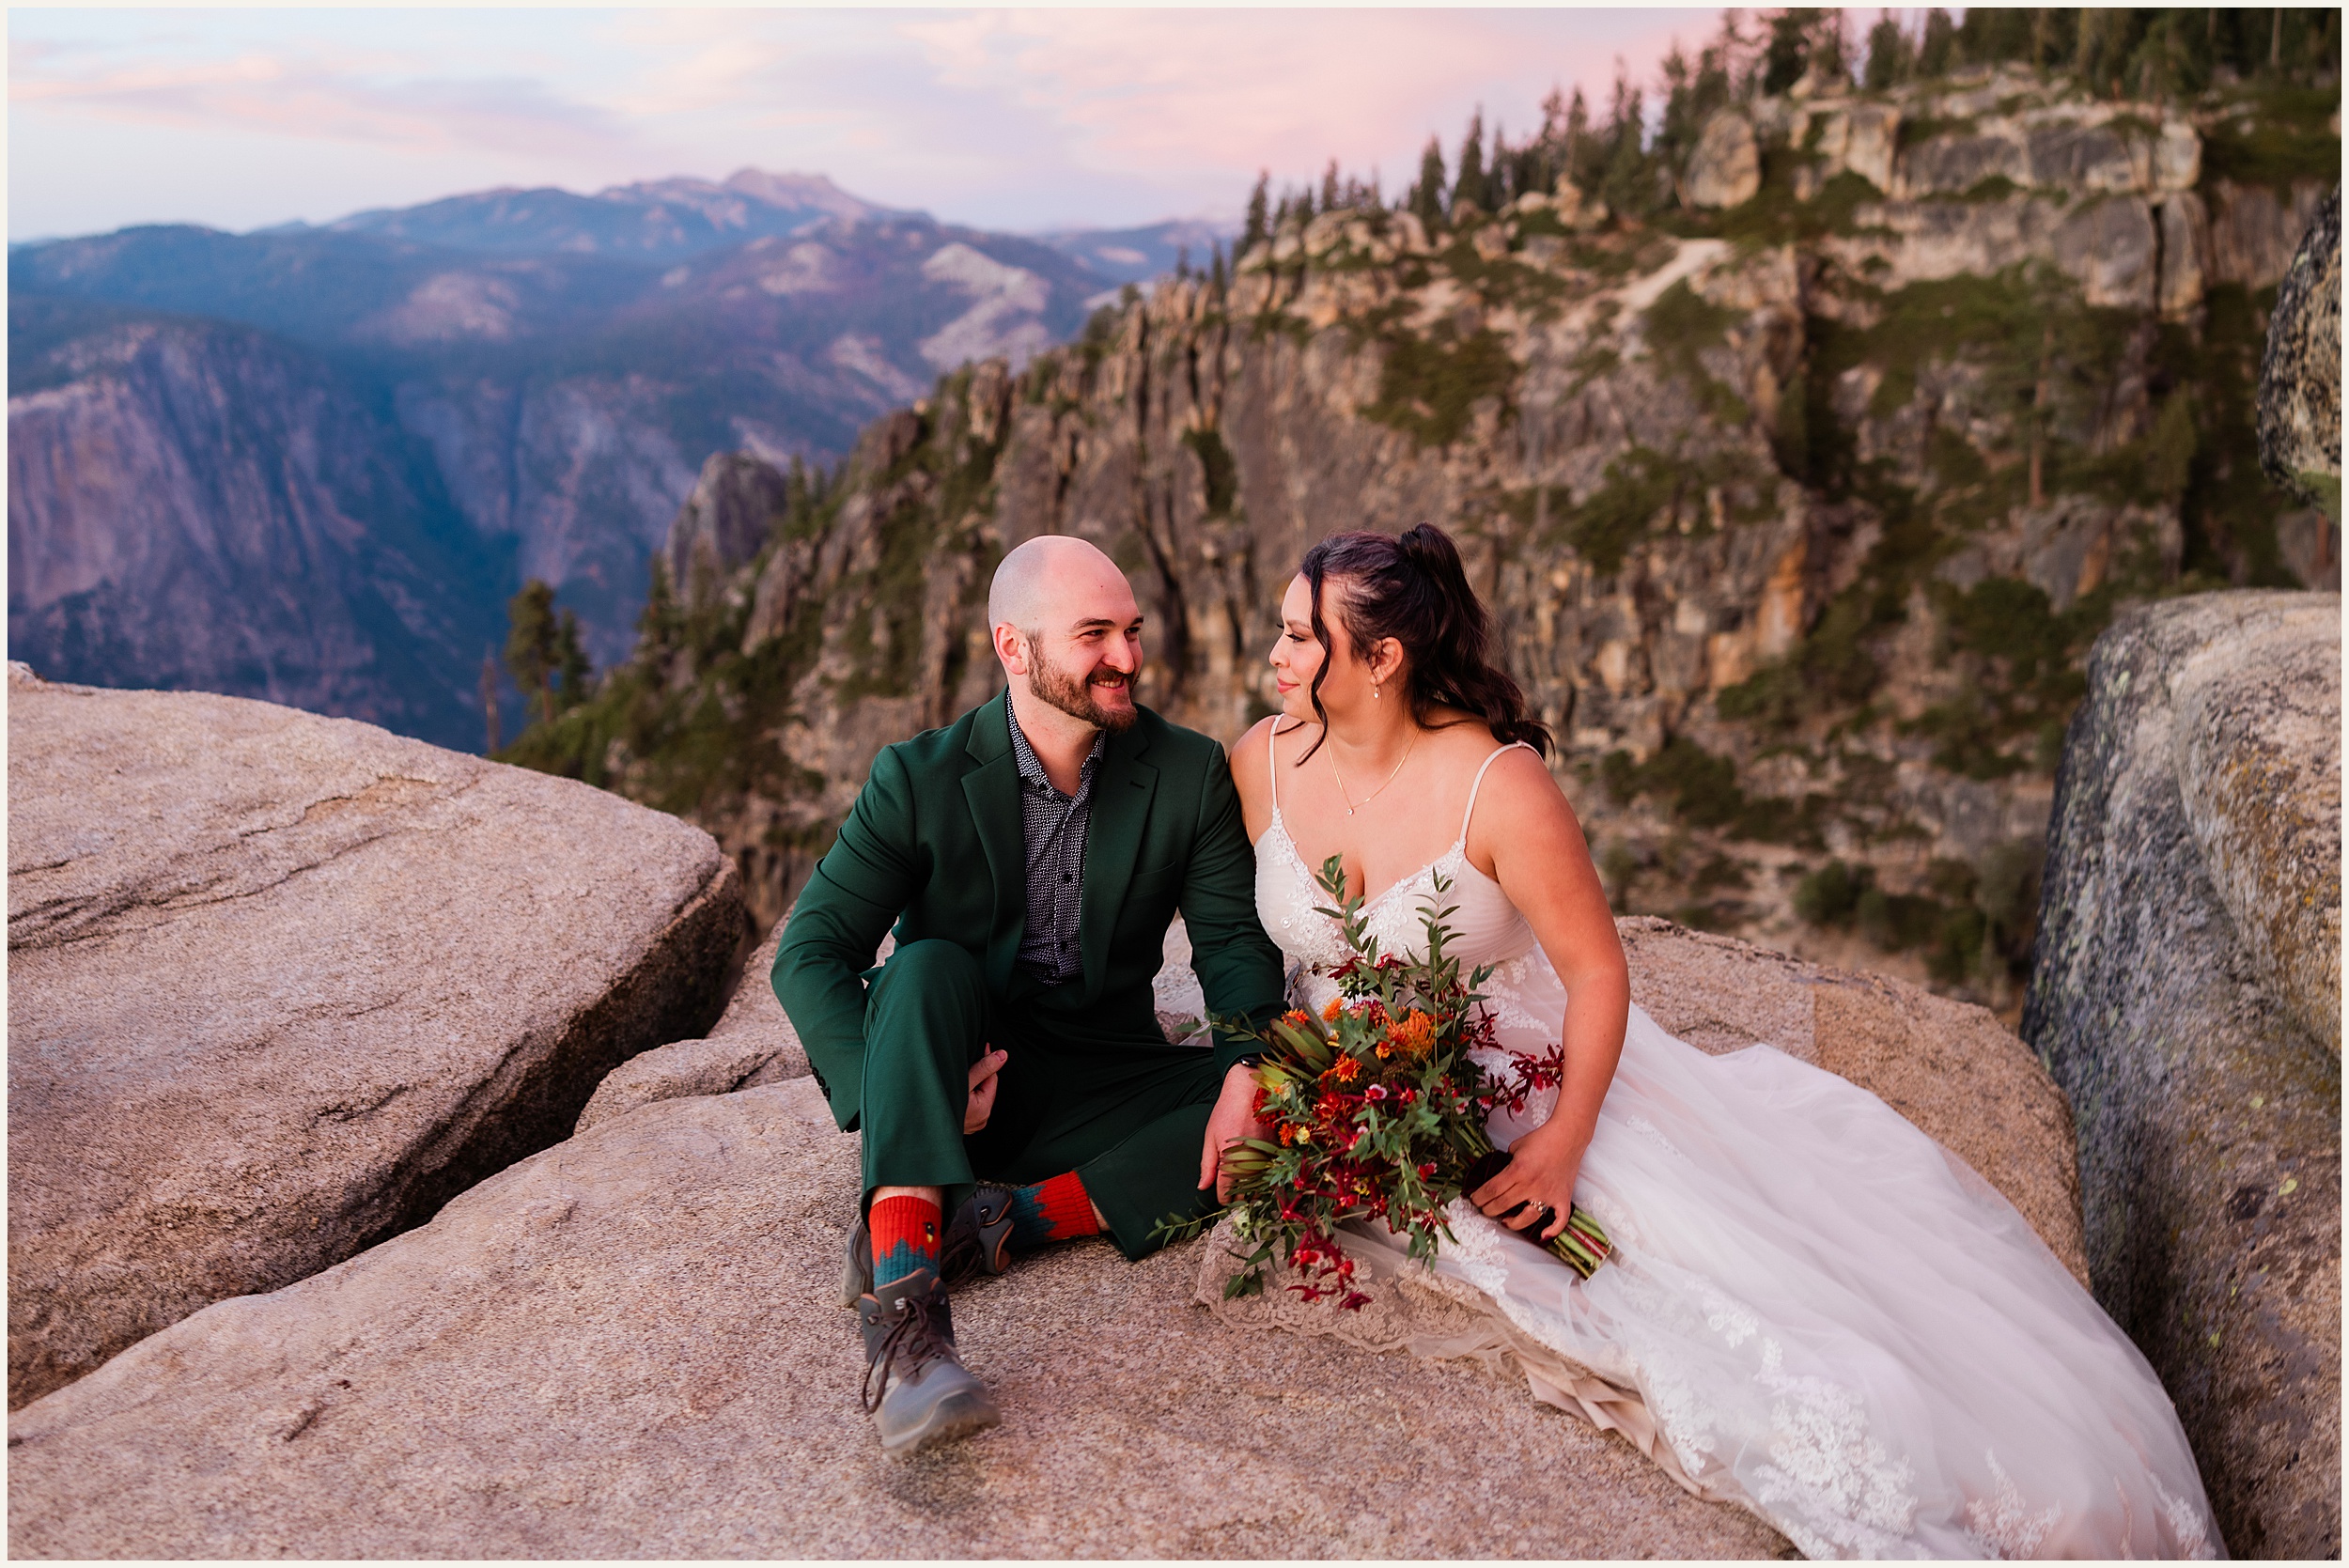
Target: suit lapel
[[992, 787], [1121, 805]]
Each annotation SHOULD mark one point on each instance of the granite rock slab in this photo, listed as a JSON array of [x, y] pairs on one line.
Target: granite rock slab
[[280, 985], [629, 1345]]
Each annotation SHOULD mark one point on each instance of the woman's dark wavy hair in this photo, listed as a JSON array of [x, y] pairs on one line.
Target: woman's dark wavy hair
[[1414, 590]]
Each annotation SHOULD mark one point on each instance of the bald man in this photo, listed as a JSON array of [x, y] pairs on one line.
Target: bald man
[[1005, 1067]]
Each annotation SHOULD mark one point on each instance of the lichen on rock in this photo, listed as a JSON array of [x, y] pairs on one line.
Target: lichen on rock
[[2187, 975]]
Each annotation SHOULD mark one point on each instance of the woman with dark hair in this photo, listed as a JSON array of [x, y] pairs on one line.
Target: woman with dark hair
[[1813, 1310]]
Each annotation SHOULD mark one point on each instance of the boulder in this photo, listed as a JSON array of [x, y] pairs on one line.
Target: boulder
[[280, 985], [1725, 170], [629, 1345], [2299, 390], [2258, 750], [2185, 995]]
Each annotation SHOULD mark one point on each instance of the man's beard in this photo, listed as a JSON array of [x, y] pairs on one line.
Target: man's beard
[[1049, 683]]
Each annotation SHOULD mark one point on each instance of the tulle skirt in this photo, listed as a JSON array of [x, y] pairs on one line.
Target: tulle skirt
[[1829, 1318]]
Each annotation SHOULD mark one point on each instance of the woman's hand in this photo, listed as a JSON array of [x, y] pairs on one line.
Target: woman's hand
[[983, 1086], [1540, 1175], [1227, 1123]]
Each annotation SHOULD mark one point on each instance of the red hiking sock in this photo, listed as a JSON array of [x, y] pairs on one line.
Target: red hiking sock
[[1054, 1210], [905, 1237]]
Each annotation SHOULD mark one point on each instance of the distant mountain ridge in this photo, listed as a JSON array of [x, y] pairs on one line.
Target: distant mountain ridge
[[660, 220], [545, 372]]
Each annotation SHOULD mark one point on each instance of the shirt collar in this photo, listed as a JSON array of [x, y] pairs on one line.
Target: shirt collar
[[1032, 769]]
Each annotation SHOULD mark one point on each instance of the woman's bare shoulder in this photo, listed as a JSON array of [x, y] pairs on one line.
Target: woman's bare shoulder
[[1248, 754], [1519, 784]]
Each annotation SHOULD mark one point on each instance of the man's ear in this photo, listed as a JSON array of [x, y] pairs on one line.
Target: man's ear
[[1011, 648]]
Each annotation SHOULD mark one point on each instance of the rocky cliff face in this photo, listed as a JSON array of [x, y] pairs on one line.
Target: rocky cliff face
[[198, 505], [1799, 515]]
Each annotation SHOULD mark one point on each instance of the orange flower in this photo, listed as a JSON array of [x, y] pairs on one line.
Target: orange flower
[[1330, 1014], [1415, 1033], [1296, 1016], [1346, 1069]]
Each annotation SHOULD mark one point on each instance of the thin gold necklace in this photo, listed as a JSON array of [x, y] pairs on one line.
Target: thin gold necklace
[[1351, 805]]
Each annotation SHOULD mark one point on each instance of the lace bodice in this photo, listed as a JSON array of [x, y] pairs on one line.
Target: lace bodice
[[1486, 928]]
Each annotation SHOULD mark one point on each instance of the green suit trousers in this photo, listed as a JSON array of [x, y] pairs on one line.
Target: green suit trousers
[[1129, 1116]]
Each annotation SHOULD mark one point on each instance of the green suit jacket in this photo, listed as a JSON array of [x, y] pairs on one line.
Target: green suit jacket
[[935, 844]]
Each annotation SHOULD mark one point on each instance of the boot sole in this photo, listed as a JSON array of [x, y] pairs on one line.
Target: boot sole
[[956, 1415]]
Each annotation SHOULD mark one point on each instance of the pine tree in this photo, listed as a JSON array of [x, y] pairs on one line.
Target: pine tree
[[1581, 160], [1935, 55], [1217, 278], [572, 667], [1330, 195], [1470, 184], [1622, 182], [1256, 230], [1787, 53], [1428, 196], [1889, 59], [657, 627], [531, 651]]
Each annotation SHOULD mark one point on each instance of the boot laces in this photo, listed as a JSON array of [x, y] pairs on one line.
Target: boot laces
[[918, 1337]]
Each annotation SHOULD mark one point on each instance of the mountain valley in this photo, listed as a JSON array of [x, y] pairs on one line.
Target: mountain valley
[[529, 380]]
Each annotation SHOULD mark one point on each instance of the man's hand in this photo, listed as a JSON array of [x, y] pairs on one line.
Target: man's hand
[[1227, 1123], [1539, 1176], [982, 1102]]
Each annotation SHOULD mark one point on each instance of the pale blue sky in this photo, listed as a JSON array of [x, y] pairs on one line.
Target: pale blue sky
[[1006, 120]]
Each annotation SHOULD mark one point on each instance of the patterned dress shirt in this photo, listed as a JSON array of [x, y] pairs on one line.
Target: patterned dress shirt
[[1055, 826]]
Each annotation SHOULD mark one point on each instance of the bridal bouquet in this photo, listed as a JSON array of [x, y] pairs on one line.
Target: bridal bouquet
[[1377, 1111]]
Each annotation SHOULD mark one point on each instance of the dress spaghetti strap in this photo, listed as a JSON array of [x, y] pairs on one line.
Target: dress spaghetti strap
[[1479, 784], [1272, 765]]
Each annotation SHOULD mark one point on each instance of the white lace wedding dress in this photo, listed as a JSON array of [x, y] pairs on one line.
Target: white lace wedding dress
[[1829, 1318]]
